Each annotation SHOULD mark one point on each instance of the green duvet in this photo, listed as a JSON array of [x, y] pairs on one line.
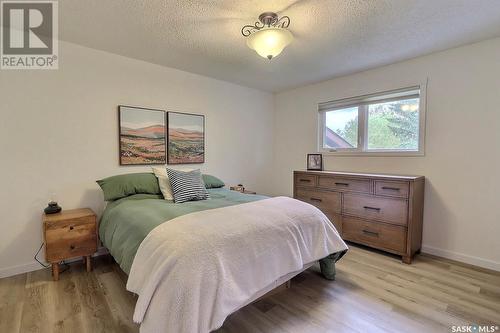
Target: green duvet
[[127, 221]]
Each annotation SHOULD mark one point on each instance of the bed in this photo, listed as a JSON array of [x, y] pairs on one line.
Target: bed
[[170, 267]]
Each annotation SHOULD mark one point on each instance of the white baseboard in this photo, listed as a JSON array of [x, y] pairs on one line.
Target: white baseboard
[[35, 266], [19, 269], [476, 261]]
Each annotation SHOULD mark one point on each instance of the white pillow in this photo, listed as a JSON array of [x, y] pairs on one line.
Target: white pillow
[[164, 182]]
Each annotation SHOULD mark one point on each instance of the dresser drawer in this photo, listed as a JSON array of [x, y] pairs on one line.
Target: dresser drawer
[[392, 188], [325, 201], [391, 210], [379, 235], [305, 180], [344, 184]]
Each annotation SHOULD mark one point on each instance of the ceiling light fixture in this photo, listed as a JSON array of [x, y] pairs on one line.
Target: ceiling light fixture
[[269, 36]]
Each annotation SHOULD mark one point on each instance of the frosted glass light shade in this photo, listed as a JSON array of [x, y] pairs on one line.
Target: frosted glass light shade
[[269, 42]]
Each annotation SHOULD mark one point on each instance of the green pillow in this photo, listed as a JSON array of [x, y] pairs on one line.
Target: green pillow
[[212, 181], [121, 186]]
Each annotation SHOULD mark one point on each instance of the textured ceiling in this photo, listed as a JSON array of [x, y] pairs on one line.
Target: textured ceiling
[[332, 37]]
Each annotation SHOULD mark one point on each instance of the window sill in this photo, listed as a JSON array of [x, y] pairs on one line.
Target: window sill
[[374, 153]]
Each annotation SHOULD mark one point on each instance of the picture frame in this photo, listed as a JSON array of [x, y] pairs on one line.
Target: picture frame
[[315, 162], [142, 139], [185, 138]]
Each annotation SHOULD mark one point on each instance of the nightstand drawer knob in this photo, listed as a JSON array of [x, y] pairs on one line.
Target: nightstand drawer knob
[[72, 247], [71, 228]]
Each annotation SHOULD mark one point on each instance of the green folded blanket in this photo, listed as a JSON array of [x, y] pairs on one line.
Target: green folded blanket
[[327, 265]]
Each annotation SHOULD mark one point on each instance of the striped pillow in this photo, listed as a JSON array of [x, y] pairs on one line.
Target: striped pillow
[[187, 186]]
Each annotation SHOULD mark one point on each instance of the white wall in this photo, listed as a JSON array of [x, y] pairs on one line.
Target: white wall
[[59, 133], [462, 157]]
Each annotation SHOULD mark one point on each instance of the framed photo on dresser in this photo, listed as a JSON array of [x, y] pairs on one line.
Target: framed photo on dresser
[[315, 162]]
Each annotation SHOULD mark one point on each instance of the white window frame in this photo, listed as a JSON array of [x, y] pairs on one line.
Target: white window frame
[[362, 102]]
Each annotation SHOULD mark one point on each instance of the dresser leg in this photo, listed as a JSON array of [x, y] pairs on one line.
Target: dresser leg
[[55, 271], [407, 259], [89, 263]]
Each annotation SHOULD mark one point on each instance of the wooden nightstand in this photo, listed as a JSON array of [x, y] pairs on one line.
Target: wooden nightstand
[[69, 234]]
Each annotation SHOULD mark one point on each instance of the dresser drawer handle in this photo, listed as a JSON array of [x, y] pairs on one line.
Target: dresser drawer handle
[[372, 208], [72, 247], [370, 233], [342, 184], [71, 228], [316, 199], [305, 180], [391, 188]]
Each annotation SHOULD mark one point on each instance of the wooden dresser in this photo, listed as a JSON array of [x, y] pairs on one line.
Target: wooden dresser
[[377, 210]]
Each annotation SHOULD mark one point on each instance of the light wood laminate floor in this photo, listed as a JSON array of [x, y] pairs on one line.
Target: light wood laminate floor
[[373, 293]]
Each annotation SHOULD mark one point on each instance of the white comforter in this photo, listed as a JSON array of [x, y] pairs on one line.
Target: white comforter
[[195, 270]]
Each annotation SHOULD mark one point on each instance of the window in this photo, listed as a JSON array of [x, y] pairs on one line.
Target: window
[[385, 123]]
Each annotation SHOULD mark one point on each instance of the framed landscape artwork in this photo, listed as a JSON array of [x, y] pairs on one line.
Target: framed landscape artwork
[[186, 138], [142, 136]]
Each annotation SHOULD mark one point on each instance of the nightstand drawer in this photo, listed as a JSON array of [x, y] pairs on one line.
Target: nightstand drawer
[[61, 224], [69, 248], [67, 230]]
